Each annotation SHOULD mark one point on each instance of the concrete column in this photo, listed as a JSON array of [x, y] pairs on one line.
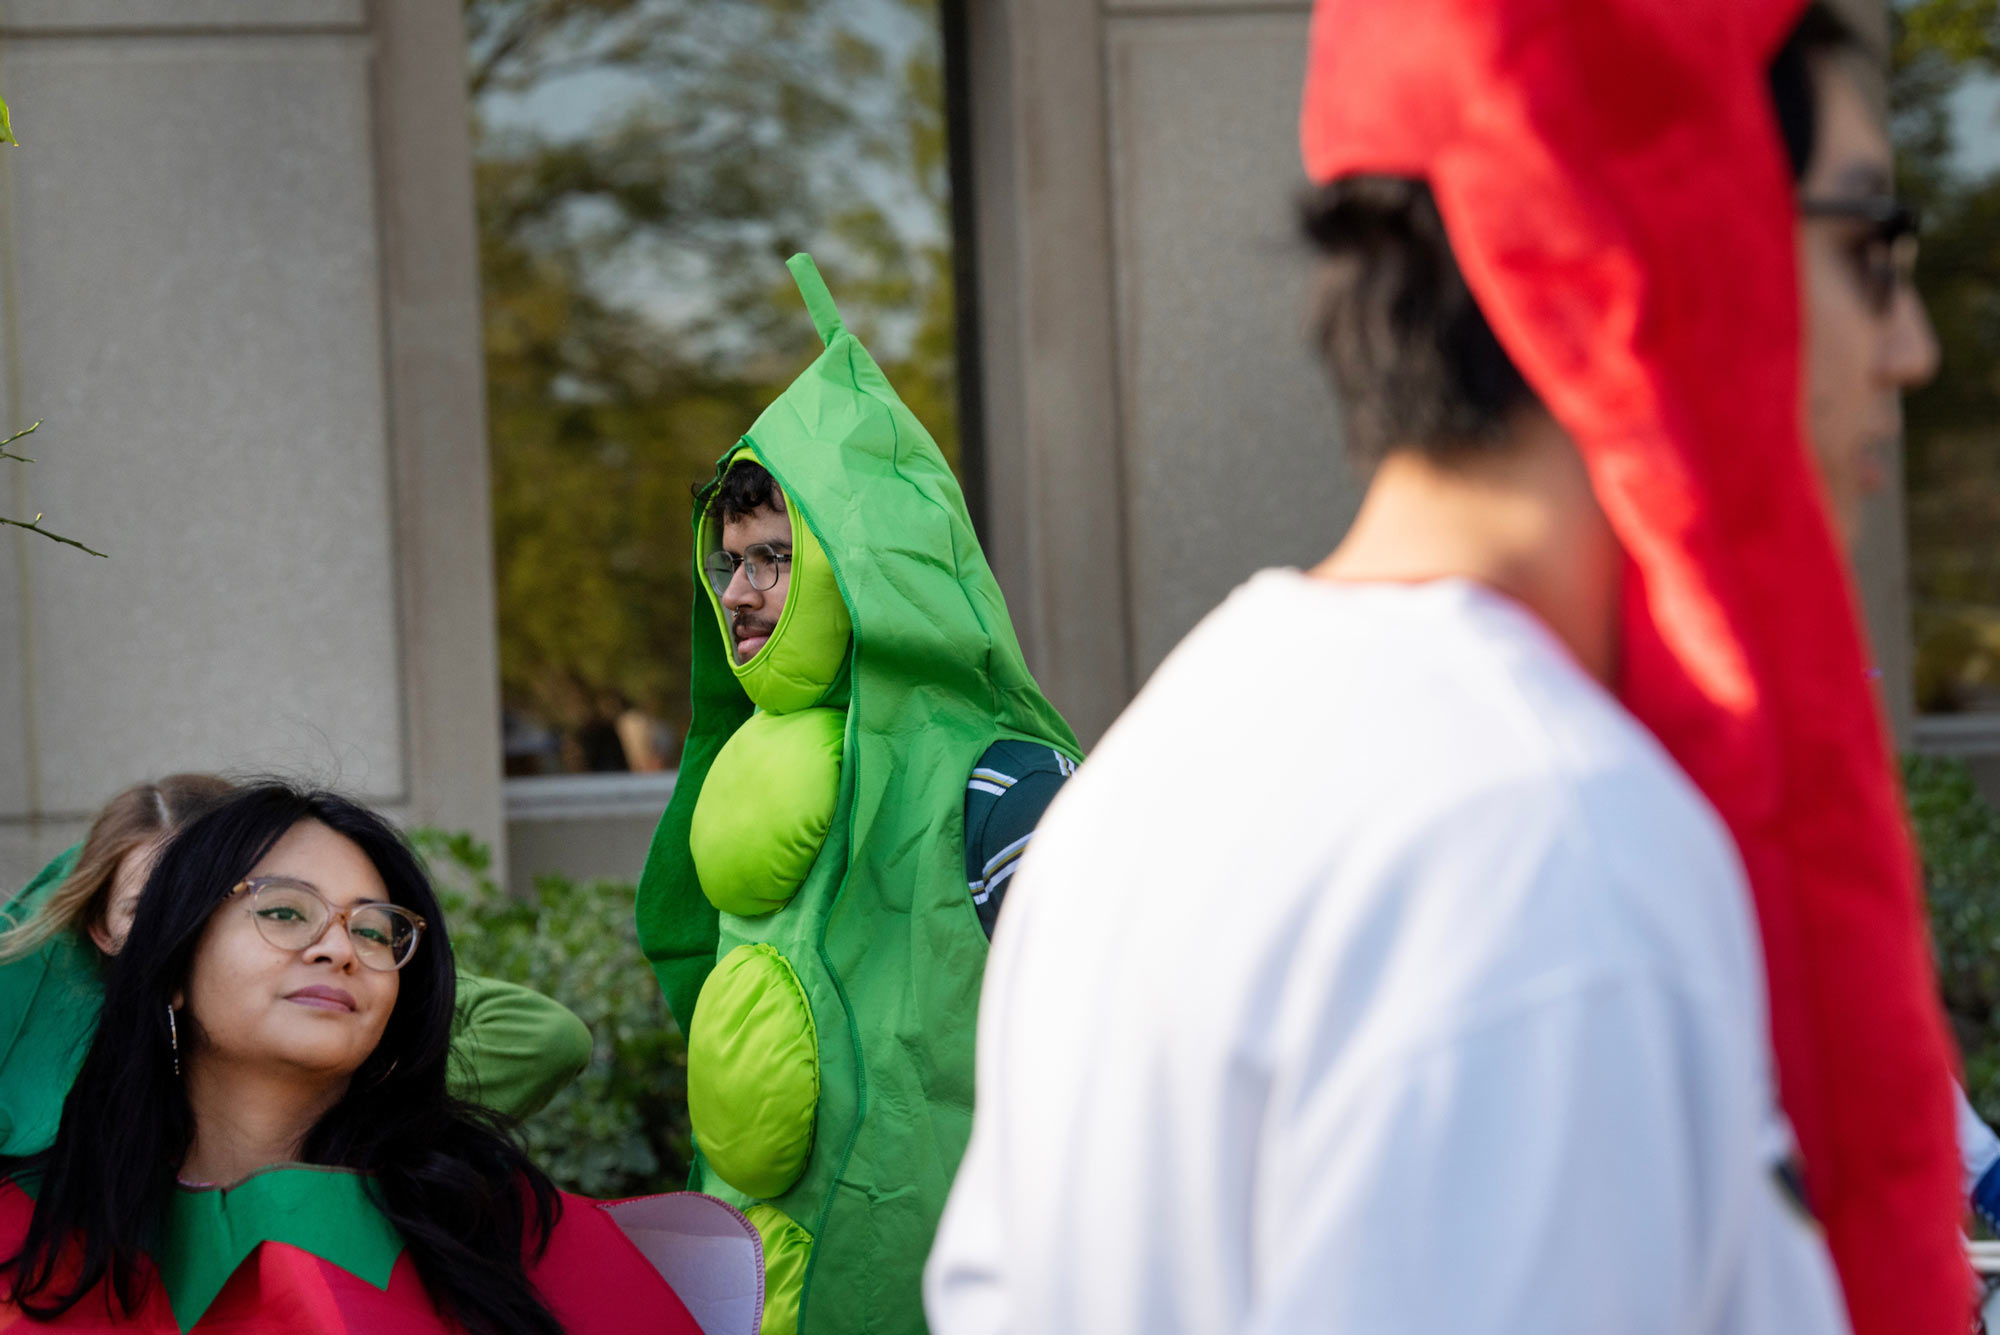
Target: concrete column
[[1055, 484], [1154, 428], [437, 418]]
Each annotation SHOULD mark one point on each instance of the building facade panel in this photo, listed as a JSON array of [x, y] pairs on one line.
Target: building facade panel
[[437, 418], [1232, 448], [1055, 502], [242, 292], [194, 235], [30, 16]]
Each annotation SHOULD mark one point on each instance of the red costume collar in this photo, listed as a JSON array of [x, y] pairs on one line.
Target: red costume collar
[[1612, 179]]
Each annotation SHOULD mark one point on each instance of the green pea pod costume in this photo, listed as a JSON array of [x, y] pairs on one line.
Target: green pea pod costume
[[826, 956]]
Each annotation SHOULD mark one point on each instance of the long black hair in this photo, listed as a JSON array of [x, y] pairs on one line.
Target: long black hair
[[455, 1184]]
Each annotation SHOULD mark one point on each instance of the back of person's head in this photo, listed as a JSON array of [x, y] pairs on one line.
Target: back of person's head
[[460, 1191], [1411, 356], [1412, 359], [136, 817]]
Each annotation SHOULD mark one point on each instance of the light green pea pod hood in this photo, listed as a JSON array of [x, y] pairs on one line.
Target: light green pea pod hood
[[882, 936], [801, 664]]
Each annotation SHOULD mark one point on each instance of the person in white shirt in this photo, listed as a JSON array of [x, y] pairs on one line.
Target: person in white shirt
[[1381, 972]]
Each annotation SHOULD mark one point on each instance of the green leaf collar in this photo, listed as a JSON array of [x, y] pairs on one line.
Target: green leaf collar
[[327, 1212]]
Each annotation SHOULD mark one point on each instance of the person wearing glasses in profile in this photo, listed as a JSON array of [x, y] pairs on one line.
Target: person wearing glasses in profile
[[1013, 781], [1561, 964], [1868, 341], [866, 761]]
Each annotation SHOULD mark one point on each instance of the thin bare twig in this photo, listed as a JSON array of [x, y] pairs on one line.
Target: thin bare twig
[[24, 431], [36, 527]]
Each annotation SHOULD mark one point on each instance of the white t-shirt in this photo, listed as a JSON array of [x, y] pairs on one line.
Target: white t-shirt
[[1378, 973]]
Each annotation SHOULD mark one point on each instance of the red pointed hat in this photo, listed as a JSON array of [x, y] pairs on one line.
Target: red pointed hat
[[1615, 189]]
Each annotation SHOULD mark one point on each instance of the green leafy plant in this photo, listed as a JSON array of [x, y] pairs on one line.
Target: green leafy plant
[[622, 1128], [1958, 833]]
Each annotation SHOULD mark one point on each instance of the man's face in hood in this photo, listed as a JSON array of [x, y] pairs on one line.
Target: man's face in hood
[[753, 612], [1866, 340]]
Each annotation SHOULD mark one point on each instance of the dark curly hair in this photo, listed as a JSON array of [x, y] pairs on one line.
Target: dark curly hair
[[746, 488]]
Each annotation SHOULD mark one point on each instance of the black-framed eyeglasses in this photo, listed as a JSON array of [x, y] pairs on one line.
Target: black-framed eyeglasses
[[760, 562], [1885, 254], [293, 915]]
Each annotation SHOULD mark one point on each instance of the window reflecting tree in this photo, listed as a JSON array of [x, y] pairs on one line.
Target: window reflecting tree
[[643, 169]]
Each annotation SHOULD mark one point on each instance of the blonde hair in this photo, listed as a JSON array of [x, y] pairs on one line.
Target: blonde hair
[[134, 818]]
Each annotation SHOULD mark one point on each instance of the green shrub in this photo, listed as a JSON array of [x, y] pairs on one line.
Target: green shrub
[[1958, 834], [622, 1128]]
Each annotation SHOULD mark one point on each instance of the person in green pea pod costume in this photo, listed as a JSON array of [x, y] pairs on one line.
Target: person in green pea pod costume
[[813, 899]]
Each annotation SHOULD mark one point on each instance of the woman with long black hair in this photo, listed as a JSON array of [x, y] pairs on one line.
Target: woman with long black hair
[[268, 1079], [513, 1048]]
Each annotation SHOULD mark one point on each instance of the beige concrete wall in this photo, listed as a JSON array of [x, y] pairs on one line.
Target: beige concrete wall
[[239, 285], [582, 826], [1049, 352], [1232, 451], [1137, 160]]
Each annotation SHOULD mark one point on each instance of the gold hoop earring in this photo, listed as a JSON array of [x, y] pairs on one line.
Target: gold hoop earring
[[174, 1039]]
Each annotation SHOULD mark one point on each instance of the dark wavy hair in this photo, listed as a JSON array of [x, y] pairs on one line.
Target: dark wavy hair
[[456, 1185], [1411, 357]]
